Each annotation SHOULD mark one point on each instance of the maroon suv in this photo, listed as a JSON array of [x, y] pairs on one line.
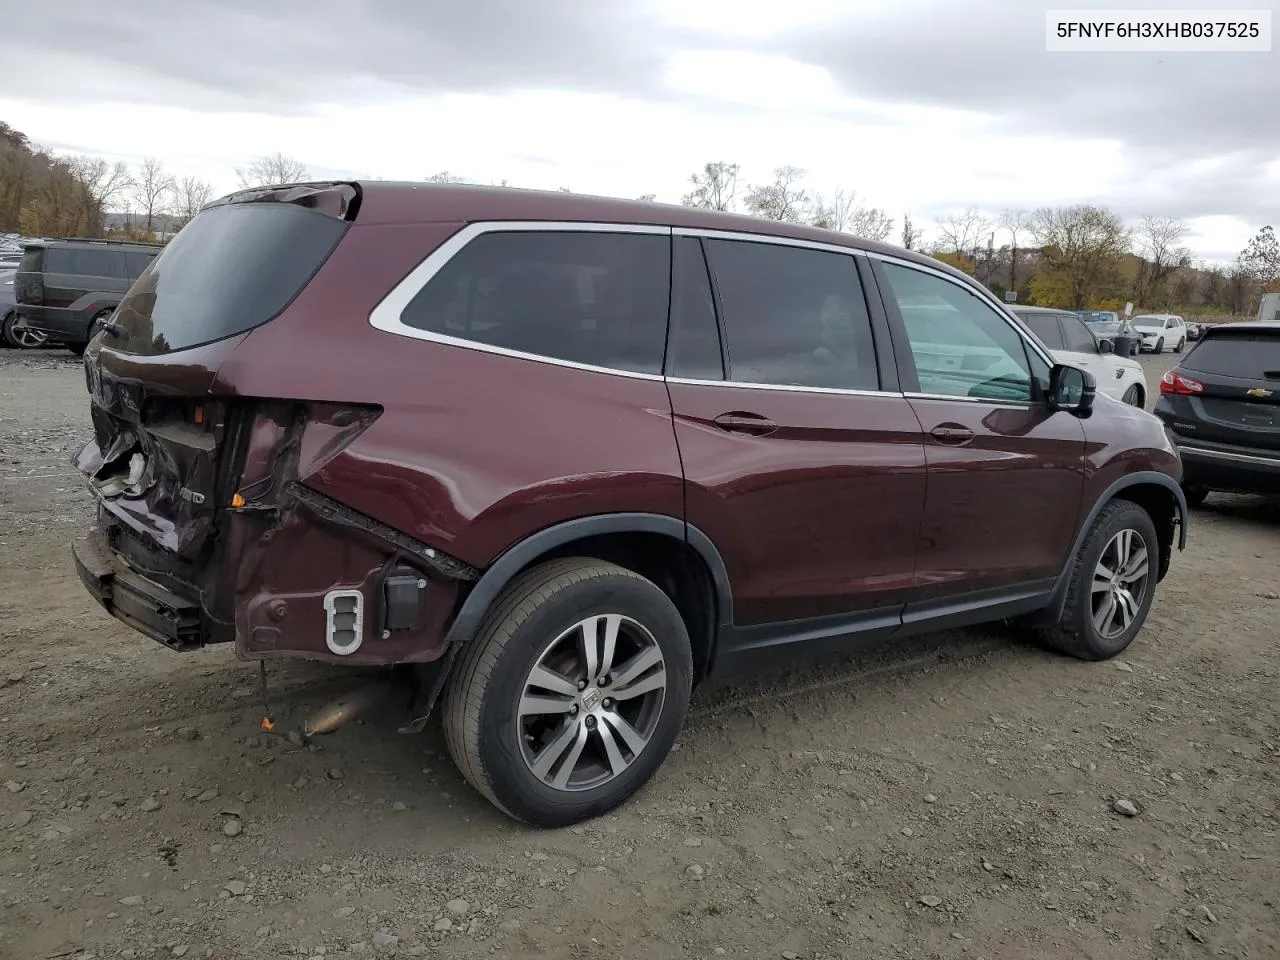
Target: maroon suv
[[569, 456]]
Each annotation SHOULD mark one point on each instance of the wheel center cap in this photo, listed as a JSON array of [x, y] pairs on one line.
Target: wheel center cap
[[590, 699]]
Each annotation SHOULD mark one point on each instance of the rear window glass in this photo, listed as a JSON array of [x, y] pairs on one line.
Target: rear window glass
[[596, 298], [82, 262], [229, 270], [1243, 356], [32, 260]]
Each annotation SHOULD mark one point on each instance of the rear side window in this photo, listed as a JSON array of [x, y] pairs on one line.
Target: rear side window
[[232, 268], [1045, 327], [1077, 335], [1245, 356], [694, 350], [84, 262], [588, 297], [135, 263], [793, 316]]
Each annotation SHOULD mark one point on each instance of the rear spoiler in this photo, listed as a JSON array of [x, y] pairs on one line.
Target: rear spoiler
[[337, 199]]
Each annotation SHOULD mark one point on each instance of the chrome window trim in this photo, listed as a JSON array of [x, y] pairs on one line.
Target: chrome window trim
[[790, 388], [712, 234], [1226, 455], [385, 316]]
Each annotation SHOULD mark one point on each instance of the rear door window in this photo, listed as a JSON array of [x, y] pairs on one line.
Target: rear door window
[[597, 298], [793, 316], [693, 352], [1243, 356], [1045, 327], [88, 262]]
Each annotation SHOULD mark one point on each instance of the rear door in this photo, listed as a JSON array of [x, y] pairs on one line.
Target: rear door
[[1238, 402], [802, 461], [1006, 473]]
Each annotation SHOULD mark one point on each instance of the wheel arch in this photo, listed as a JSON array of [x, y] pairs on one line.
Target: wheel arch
[[1160, 496], [675, 555]]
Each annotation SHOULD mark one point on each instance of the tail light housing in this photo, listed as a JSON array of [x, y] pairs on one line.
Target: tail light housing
[[1174, 382]]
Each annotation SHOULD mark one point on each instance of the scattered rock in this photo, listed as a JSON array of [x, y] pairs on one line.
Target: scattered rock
[[930, 798], [295, 738], [385, 942], [1121, 665], [988, 866], [693, 842], [232, 828], [22, 818], [399, 806], [929, 900], [13, 786], [343, 912], [188, 733], [459, 908], [149, 805], [234, 887], [443, 925], [206, 796], [1091, 885], [335, 773], [131, 901], [509, 926], [1207, 913], [181, 949], [1125, 808], [695, 871], [790, 955]]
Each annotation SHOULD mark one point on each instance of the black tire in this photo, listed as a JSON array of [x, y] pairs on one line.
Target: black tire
[[1181, 343], [76, 348], [1160, 345], [1133, 396], [481, 724], [1195, 495], [1076, 634]]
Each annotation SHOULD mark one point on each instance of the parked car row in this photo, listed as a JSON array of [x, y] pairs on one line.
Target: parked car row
[[1071, 341]]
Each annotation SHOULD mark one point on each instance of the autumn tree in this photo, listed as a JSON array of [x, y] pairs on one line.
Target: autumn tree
[[1081, 246], [962, 232], [1260, 259], [152, 188], [782, 198], [714, 187], [271, 170], [191, 194]]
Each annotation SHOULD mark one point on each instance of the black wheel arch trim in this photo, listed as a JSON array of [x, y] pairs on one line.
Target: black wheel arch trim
[[1053, 612], [516, 558]]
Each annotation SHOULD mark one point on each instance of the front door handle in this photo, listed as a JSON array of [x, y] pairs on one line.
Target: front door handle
[[751, 424], [954, 433]]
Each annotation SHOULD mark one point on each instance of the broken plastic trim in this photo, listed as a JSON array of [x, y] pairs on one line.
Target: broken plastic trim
[[336, 199], [335, 512]]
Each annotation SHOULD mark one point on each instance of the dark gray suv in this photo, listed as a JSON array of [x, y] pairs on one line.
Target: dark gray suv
[[66, 289]]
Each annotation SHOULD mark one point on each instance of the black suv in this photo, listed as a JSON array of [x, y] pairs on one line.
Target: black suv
[[66, 289], [1221, 405]]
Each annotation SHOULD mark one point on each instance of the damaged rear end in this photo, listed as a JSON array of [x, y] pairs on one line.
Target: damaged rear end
[[207, 531]]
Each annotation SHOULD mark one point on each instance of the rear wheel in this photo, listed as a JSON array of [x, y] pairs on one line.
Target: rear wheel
[[1133, 396], [14, 336], [571, 694], [1112, 585], [1195, 495]]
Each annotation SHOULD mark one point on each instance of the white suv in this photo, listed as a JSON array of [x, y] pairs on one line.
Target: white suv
[[1071, 341], [1160, 330]]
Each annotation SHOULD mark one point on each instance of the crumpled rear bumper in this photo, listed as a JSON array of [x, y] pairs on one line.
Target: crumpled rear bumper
[[165, 616]]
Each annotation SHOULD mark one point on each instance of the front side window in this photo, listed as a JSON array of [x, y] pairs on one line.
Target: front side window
[[596, 298], [1077, 336], [793, 316], [961, 346]]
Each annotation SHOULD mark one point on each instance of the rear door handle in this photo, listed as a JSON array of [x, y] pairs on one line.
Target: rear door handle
[[953, 433], [749, 423]]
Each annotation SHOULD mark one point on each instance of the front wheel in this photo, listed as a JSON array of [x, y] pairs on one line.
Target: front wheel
[[571, 694], [1160, 345], [1133, 396], [1112, 585], [1181, 343]]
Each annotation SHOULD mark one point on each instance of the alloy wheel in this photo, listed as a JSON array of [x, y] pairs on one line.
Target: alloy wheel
[[591, 702], [1120, 583]]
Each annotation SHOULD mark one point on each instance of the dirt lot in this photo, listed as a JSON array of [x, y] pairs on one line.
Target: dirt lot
[[952, 797]]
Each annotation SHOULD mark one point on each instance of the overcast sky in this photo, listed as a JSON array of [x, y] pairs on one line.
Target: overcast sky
[[923, 106]]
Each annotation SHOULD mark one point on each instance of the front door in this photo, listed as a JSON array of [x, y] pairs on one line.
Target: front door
[[1005, 472], [802, 464]]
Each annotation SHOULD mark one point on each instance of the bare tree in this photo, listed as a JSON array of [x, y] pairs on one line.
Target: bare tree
[[963, 232], [1015, 223], [1159, 240], [647, 197], [104, 182], [444, 176], [910, 235], [781, 199], [842, 211], [1260, 259], [714, 188], [152, 190], [272, 169], [191, 195]]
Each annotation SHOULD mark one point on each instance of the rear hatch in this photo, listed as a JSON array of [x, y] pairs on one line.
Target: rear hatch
[[1227, 390], [168, 454], [28, 282]]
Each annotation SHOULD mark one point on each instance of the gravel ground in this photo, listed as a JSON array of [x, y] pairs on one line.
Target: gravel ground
[[959, 796]]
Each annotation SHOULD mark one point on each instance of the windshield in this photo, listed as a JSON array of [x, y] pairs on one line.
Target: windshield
[[1099, 316], [1148, 323]]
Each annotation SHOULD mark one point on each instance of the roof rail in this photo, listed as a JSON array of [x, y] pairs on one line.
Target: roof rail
[[118, 243]]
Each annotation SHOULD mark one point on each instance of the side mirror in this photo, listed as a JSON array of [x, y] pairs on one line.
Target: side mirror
[[1106, 346], [1071, 389]]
